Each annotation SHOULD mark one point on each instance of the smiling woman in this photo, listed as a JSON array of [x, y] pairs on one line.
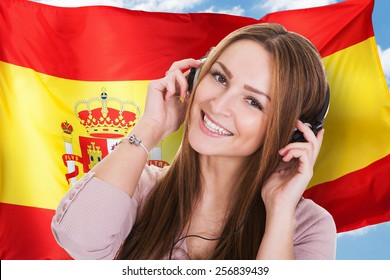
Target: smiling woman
[[234, 190], [230, 105]]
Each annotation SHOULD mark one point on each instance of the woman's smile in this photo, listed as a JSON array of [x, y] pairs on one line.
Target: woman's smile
[[213, 128]]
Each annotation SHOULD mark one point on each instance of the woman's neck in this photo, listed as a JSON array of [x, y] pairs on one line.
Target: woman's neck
[[219, 175]]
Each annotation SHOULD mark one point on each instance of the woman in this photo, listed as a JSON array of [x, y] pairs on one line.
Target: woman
[[234, 190]]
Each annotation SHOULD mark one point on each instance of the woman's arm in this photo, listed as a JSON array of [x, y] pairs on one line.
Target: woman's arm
[[93, 218], [278, 238], [122, 167], [97, 213], [309, 235], [166, 103], [282, 193]]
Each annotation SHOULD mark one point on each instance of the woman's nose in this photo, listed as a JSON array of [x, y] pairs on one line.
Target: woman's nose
[[223, 103]]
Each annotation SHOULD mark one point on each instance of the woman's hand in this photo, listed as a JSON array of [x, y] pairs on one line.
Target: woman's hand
[[167, 99], [284, 188], [282, 192]]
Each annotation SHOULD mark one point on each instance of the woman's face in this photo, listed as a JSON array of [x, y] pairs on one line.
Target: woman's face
[[229, 113]]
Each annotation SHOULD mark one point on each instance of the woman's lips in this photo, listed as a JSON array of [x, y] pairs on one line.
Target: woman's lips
[[212, 127]]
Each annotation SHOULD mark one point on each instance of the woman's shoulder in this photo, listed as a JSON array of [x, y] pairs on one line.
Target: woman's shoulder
[[308, 213], [315, 232]]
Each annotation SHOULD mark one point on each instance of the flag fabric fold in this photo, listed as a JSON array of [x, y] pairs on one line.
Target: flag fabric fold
[[73, 82]]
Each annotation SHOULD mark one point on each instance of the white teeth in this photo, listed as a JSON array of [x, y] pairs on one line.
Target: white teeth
[[214, 128]]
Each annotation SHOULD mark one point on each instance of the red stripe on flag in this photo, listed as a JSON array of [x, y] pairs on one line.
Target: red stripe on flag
[[32, 228], [341, 25], [107, 43], [359, 190]]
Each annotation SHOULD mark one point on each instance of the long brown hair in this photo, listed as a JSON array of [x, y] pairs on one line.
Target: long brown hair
[[298, 89]]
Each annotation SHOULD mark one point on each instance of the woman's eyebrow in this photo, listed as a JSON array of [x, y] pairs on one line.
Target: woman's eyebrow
[[252, 89], [225, 69], [247, 87]]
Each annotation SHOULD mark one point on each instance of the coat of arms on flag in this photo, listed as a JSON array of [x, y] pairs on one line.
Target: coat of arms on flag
[[85, 124], [106, 120]]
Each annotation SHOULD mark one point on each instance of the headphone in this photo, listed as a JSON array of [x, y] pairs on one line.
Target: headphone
[[318, 121], [297, 135], [194, 73]]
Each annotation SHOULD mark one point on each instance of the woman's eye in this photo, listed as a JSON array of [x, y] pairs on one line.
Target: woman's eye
[[219, 78], [255, 103]]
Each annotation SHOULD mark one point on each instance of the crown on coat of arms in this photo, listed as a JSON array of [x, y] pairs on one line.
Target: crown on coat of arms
[[67, 127], [107, 117]]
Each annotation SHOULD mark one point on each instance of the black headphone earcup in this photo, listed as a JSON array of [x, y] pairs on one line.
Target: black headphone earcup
[[194, 73], [191, 79], [317, 125], [298, 135]]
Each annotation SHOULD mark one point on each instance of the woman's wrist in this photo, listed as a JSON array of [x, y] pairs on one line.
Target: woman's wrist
[[123, 167], [280, 208], [281, 218], [148, 132]]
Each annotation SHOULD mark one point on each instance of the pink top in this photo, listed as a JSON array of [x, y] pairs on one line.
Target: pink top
[[94, 218]]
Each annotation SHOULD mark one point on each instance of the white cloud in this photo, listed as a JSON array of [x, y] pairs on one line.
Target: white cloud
[[279, 5], [356, 232], [144, 5], [364, 230], [162, 5], [177, 6], [78, 3], [236, 10], [385, 60]]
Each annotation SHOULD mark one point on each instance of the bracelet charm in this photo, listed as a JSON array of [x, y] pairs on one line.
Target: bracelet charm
[[134, 141]]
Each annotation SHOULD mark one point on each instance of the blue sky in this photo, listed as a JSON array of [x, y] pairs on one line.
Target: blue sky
[[368, 243]]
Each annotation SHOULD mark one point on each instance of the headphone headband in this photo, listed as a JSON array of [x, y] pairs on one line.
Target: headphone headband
[[322, 115]]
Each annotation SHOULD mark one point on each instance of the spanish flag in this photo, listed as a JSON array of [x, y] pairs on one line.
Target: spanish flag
[[73, 81]]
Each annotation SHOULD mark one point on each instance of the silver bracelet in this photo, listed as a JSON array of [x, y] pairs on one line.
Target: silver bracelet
[[134, 140]]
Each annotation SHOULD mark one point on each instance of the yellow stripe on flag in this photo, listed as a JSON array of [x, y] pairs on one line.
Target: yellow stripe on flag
[[34, 106], [357, 126]]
